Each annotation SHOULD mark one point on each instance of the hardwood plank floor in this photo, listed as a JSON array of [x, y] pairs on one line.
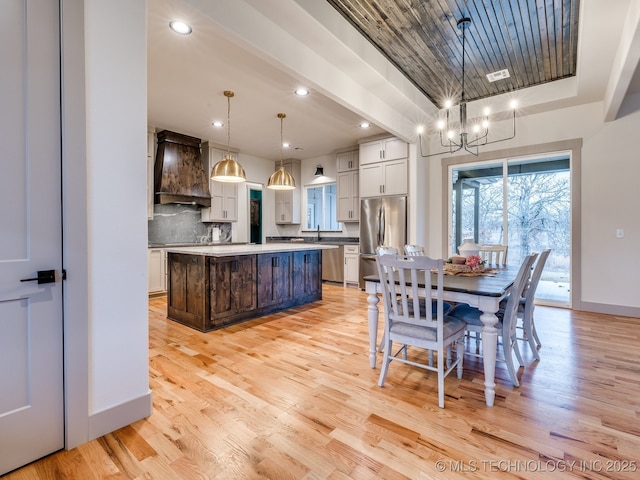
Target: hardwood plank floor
[[292, 396]]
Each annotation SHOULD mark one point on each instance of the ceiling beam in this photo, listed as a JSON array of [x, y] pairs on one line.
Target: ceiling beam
[[624, 65], [321, 48]]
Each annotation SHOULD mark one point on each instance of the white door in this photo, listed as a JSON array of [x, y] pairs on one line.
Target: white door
[[31, 381]]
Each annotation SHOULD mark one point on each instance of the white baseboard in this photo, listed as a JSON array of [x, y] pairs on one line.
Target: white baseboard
[[120, 416], [610, 309]]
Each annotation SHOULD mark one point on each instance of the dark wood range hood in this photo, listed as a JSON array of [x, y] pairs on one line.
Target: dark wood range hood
[[180, 175]]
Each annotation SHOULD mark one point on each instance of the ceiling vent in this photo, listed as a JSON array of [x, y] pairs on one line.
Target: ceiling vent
[[180, 176], [499, 75]]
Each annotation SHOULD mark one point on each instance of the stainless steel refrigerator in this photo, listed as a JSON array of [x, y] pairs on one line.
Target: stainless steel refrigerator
[[383, 222]]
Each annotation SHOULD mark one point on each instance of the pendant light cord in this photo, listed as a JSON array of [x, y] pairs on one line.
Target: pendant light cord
[[281, 140], [463, 50], [229, 118], [228, 94], [281, 116]]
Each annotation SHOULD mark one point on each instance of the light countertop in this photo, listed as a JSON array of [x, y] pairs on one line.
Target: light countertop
[[248, 249]]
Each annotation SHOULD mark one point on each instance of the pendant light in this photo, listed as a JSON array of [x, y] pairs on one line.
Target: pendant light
[[227, 169], [281, 179]]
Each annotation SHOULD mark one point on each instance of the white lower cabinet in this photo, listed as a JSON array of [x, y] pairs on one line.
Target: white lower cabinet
[[157, 270], [351, 254]]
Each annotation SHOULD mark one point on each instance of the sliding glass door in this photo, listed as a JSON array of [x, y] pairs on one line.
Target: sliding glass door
[[524, 203]]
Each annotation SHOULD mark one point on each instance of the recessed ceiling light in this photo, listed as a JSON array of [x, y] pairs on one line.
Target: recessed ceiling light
[[217, 123], [301, 92], [180, 27], [286, 145], [365, 125]]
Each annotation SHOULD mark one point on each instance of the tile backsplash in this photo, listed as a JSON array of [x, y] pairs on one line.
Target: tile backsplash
[[177, 224]]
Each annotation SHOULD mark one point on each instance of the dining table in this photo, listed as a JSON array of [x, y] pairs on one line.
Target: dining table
[[483, 291]]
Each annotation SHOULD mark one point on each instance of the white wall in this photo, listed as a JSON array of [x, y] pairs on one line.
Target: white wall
[[610, 197], [104, 162], [116, 154]]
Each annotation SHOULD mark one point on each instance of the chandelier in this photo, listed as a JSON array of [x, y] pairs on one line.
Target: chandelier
[[227, 169], [480, 129]]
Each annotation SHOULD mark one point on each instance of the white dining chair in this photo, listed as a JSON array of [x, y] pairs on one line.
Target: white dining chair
[[494, 254], [507, 318], [414, 250], [410, 321], [527, 305], [384, 250]]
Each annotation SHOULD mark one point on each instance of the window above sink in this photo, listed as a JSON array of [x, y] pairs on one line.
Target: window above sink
[[321, 208]]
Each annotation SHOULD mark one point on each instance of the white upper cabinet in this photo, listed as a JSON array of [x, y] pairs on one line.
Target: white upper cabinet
[[383, 168], [383, 150], [224, 195], [348, 186], [151, 160], [347, 161], [288, 201], [348, 196]]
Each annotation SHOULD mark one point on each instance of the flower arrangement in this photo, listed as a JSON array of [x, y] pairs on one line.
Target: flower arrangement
[[475, 262]]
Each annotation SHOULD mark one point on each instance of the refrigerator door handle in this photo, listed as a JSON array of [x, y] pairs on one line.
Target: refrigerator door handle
[[382, 226], [377, 218]]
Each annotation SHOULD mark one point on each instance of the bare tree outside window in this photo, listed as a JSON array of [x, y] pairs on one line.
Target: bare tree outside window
[[538, 210]]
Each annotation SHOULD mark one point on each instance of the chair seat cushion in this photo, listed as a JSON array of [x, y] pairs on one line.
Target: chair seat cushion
[[471, 315], [451, 326], [503, 303]]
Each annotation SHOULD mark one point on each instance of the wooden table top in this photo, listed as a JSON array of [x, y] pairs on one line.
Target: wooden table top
[[488, 286]]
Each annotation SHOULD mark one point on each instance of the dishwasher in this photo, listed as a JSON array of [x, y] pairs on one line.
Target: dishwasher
[[333, 264]]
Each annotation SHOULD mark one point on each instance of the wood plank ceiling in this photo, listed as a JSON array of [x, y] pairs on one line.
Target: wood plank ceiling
[[535, 40]]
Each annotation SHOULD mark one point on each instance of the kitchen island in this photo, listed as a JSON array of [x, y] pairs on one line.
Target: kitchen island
[[210, 287]]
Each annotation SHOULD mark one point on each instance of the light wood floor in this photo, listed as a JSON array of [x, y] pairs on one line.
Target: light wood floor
[[291, 396]]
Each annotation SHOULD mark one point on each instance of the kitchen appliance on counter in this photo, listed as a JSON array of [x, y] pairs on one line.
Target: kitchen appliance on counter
[[383, 222]]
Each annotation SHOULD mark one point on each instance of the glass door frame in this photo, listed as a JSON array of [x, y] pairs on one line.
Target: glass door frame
[[476, 239], [574, 147]]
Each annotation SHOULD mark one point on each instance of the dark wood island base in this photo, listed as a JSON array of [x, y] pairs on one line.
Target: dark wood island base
[[212, 287]]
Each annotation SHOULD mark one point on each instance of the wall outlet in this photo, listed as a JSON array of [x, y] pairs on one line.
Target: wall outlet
[[619, 233]]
